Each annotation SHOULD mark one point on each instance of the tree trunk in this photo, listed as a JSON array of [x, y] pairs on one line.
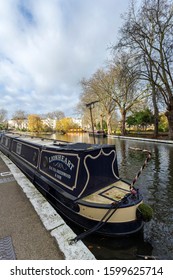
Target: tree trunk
[[101, 122], [156, 113], [109, 123], [169, 115], [123, 124]]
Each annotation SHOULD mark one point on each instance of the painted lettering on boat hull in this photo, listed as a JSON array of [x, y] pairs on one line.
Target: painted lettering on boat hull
[[62, 167]]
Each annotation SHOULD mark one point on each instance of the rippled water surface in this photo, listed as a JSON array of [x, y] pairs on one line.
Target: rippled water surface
[[156, 184]]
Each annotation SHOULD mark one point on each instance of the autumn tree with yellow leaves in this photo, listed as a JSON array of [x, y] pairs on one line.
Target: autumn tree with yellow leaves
[[65, 124], [34, 123]]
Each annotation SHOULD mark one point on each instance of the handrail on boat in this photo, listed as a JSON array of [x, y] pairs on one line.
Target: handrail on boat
[[148, 158]]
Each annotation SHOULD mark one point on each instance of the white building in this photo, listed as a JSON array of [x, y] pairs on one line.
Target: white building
[[18, 124], [78, 121], [50, 123]]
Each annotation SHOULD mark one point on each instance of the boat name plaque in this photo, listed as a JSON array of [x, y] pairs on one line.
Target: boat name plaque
[[62, 161], [61, 167]]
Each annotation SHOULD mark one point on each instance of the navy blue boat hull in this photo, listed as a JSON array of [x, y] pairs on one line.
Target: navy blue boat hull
[[38, 163]]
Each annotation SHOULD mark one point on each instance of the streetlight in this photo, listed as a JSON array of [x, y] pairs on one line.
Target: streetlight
[[91, 106]]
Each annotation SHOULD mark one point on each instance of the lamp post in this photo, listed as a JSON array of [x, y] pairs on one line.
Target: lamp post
[[91, 106]]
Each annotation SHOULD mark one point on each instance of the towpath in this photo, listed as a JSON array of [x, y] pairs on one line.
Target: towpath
[[30, 229]]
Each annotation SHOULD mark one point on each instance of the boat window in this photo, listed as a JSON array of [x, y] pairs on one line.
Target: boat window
[[7, 142], [18, 148]]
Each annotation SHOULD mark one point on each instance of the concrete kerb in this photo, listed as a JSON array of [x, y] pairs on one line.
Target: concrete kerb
[[164, 141], [51, 220]]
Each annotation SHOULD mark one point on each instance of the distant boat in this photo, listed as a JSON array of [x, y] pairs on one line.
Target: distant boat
[[98, 133], [80, 180]]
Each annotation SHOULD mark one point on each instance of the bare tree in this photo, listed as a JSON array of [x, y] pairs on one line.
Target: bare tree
[[3, 115], [19, 116], [99, 87], [55, 115], [125, 85], [116, 88], [3, 119], [88, 96], [147, 32]]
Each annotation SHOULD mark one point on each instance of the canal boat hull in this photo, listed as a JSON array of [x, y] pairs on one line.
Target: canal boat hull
[[98, 134], [80, 180]]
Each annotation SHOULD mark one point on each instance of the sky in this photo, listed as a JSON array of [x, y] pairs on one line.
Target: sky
[[48, 46]]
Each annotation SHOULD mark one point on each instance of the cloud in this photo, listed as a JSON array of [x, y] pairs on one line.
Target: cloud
[[47, 47]]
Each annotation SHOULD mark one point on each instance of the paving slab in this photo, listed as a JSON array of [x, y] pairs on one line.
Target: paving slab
[[19, 220]]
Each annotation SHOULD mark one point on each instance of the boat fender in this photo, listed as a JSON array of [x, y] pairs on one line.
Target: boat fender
[[144, 212]]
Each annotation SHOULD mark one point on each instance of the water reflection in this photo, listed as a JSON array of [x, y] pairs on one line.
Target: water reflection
[[121, 248], [156, 184]]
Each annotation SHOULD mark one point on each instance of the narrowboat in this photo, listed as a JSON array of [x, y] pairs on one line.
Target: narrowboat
[[98, 133], [80, 180]]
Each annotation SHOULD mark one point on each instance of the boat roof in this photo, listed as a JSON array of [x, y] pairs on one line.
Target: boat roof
[[56, 143]]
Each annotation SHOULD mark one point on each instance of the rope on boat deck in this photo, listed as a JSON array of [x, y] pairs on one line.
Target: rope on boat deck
[[142, 167], [114, 206]]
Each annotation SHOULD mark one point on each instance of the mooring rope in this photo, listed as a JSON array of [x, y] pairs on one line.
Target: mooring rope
[[93, 229], [142, 167], [114, 206]]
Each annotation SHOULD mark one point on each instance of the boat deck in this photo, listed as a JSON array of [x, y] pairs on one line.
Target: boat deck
[[113, 192]]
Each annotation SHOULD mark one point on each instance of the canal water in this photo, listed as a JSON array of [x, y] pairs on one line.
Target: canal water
[[156, 184]]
